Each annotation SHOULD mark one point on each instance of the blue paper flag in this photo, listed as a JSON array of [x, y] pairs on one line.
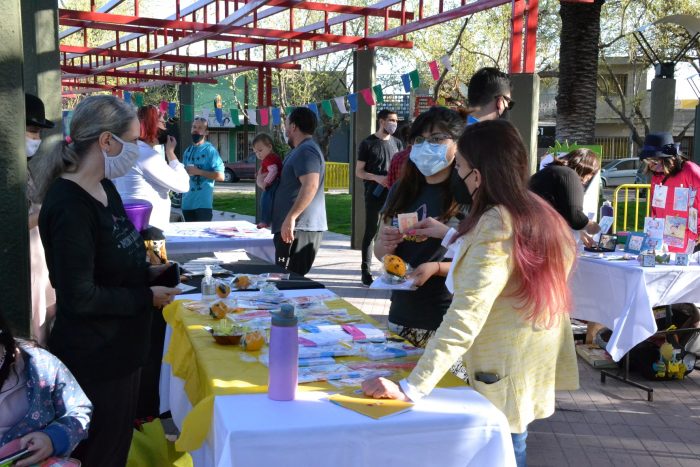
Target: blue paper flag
[[127, 97], [314, 109], [406, 82], [352, 99], [219, 115], [276, 116], [172, 108]]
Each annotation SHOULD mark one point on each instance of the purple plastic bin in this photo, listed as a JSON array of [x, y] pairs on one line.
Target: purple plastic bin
[[139, 213]]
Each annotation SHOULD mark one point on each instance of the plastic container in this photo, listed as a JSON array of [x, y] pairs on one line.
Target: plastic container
[[208, 286], [139, 213], [606, 210], [284, 355]]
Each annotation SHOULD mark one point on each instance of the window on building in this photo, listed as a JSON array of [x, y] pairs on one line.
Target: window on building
[[219, 139], [605, 81]]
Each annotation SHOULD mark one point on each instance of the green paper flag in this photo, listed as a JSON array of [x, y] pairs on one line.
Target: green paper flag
[[235, 120], [378, 93], [288, 110], [327, 108], [139, 100], [415, 79], [187, 112]]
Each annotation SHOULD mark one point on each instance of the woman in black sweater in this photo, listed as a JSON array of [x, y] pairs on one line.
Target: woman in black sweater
[[561, 184], [97, 263]]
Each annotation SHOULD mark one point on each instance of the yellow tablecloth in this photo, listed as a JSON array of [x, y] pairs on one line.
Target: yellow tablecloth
[[209, 369]]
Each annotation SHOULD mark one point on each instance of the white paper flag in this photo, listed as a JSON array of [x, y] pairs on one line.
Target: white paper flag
[[445, 60], [340, 102], [252, 119]]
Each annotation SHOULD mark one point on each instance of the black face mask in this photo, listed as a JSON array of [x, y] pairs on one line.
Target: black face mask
[[196, 138], [162, 136], [459, 188]]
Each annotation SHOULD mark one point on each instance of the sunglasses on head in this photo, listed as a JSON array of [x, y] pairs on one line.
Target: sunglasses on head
[[510, 103]]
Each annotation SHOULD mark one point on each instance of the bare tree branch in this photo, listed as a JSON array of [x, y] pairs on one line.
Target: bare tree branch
[[450, 51]]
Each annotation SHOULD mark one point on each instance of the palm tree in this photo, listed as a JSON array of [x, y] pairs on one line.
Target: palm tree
[[578, 71]]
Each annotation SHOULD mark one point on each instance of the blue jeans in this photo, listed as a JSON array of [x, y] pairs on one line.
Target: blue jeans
[[519, 447], [266, 200]]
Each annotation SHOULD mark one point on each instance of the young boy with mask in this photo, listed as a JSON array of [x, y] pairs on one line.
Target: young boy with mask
[[205, 167]]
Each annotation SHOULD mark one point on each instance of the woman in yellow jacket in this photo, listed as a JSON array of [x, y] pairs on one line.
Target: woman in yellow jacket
[[509, 316]]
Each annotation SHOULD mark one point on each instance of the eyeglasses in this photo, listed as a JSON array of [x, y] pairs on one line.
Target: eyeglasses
[[510, 103], [437, 138], [200, 119]]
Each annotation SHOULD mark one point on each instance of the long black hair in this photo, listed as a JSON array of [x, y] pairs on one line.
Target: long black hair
[[411, 181], [7, 341]]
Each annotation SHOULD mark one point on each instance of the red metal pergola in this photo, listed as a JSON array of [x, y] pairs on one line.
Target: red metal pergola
[[149, 51]]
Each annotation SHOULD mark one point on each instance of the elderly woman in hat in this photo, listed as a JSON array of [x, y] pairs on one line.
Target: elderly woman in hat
[[674, 185], [43, 295]]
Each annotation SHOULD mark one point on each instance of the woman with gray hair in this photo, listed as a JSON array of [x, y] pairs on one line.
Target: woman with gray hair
[[97, 264]]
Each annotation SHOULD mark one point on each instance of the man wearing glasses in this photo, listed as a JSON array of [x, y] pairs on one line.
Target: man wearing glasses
[[489, 95], [205, 167]]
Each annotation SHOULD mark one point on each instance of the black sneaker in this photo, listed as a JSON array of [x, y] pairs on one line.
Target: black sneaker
[[367, 278]]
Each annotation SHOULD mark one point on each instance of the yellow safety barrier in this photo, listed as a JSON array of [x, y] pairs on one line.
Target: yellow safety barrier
[[337, 176], [638, 222]]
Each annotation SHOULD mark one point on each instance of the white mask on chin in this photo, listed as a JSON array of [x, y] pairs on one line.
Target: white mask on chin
[[31, 145], [119, 165]]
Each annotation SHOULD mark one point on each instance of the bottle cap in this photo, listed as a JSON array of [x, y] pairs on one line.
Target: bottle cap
[[285, 317]]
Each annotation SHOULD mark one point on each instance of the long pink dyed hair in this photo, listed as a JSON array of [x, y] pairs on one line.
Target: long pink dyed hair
[[543, 243]]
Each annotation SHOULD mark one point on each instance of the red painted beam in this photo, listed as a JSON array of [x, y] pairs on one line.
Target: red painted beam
[[346, 9], [83, 71], [67, 83], [515, 64], [531, 35], [169, 57], [94, 19]]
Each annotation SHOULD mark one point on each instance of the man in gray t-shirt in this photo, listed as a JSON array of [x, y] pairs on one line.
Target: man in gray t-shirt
[[299, 207]]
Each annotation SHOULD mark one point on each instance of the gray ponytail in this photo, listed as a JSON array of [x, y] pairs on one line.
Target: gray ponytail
[[57, 156]]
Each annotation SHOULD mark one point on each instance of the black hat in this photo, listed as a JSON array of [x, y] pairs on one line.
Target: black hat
[[35, 112], [659, 145]]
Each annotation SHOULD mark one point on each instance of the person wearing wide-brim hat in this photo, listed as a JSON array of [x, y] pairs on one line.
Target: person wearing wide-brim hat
[[43, 295], [674, 185]]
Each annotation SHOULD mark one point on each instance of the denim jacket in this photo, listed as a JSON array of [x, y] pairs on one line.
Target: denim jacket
[[58, 406]]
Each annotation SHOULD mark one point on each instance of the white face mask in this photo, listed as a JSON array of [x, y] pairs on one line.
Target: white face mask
[[119, 165], [429, 158], [390, 127], [31, 146]]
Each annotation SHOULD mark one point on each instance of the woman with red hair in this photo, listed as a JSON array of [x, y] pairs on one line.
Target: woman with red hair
[[509, 316], [152, 178]]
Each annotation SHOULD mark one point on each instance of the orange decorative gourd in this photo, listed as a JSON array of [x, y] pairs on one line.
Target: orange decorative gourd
[[219, 310], [253, 340], [241, 282], [223, 289]]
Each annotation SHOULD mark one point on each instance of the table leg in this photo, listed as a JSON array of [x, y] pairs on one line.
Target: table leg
[[625, 378]]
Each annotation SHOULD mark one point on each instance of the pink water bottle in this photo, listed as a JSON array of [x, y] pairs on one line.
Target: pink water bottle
[[284, 355]]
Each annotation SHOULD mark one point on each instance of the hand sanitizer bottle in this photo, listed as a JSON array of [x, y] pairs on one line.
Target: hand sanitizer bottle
[[208, 286]]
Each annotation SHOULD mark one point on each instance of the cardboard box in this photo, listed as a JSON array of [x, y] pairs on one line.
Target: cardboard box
[[595, 356]]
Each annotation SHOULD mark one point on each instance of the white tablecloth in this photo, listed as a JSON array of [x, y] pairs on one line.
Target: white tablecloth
[[194, 237], [451, 427], [621, 294]]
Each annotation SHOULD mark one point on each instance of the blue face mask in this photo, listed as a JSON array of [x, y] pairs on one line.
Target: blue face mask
[[430, 158]]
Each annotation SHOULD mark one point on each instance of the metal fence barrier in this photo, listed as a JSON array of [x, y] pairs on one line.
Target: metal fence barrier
[[337, 176], [640, 190]]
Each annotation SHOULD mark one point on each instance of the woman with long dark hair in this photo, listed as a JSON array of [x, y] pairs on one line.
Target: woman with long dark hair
[[42, 407], [562, 185], [423, 188], [509, 318]]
